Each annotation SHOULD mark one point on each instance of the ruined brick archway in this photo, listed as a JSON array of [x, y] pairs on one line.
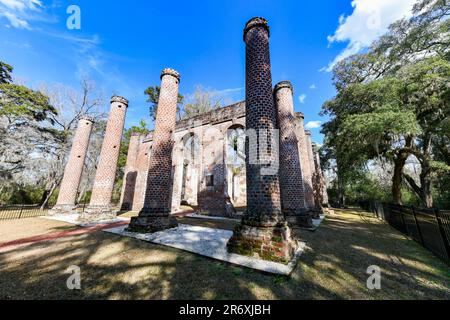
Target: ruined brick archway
[[235, 169], [190, 167]]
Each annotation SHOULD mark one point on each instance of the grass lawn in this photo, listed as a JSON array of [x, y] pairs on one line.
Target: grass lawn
[[112, 267]]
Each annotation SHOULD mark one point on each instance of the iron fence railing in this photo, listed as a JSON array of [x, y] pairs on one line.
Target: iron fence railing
[[21, 211], [429, 227]]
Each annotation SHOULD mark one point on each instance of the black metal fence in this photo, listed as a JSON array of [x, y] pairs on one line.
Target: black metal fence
[[429, 227], [21, 211]]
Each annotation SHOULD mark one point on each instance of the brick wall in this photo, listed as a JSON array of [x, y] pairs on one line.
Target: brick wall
[[142, 165], [130, 174]]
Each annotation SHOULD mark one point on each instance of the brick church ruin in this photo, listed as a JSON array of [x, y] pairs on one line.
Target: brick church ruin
[[252, 160]]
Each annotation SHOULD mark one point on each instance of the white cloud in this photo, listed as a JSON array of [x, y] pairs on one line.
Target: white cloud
[[302, 98], [370, 20], [230, 90], [313, 87], [19, 12], [313, 125]]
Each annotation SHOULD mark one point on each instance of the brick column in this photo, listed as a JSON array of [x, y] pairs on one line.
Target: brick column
[[306, 164], [263, 230], [129, 178], [291, 179], [142, 163], [309, 148], [155, 216], [100, 205], [322, 193], [72, 174]]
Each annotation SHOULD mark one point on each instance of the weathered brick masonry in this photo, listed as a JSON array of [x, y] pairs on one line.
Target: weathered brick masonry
[[100, 205], [155, 215], [130, 175], [316, 210], [291, 180], [142, 163], [305, 162], [72, 174], [320, 187], [263, 231]]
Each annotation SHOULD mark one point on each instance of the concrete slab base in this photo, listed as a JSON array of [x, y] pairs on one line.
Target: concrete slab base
[[211, 243], [199, 216], [74, 219], [316, 224]]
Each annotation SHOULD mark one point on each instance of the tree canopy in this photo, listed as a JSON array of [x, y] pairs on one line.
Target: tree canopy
[[392, 102]]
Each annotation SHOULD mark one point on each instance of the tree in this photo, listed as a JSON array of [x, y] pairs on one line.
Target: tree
[[5, 72], [71, 105], [24, 116], [392, 101], [153, 97], [202, 101]]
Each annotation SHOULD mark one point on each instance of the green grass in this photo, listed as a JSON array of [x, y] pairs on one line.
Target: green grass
[[333, 267]]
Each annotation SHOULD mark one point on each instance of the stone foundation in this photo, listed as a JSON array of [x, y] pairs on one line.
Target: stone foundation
[[152, 224], [97, 213], [62, 209], [267, 243], [299, 218]]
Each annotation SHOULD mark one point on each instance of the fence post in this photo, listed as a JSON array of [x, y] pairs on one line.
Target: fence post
[[442, 232], [21, 210], [418, 227], [405, 227]]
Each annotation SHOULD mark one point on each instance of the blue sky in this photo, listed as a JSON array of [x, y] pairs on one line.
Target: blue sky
[[123, 46]]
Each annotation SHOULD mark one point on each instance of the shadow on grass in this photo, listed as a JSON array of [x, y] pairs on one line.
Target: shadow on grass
[[334, 267]]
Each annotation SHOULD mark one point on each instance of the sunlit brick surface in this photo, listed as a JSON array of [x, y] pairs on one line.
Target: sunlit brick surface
[[74, 168], [305, 162], [107, 166], [310, 154], [320, 188], [157, 203], [263, 191], [263, 231], [291, 181]]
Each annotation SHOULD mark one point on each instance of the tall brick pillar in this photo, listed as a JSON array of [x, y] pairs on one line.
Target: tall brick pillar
[[155, 216], [263, 230], [72, 175], [306, 164], [142, 163], [100, 205], [316, 209], [130, 176], [291, 179], [322, 193]]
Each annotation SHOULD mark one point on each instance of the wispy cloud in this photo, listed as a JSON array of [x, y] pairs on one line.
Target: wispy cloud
[[313, 125], [20, 12], [231, 90], [302, 98], [369, 20], [313, 87], [21, 45]]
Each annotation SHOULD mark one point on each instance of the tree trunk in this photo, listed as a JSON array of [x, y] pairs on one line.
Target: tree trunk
[[425, 181], [399, 164], [44, 196], [341, 193], [49, 195]]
